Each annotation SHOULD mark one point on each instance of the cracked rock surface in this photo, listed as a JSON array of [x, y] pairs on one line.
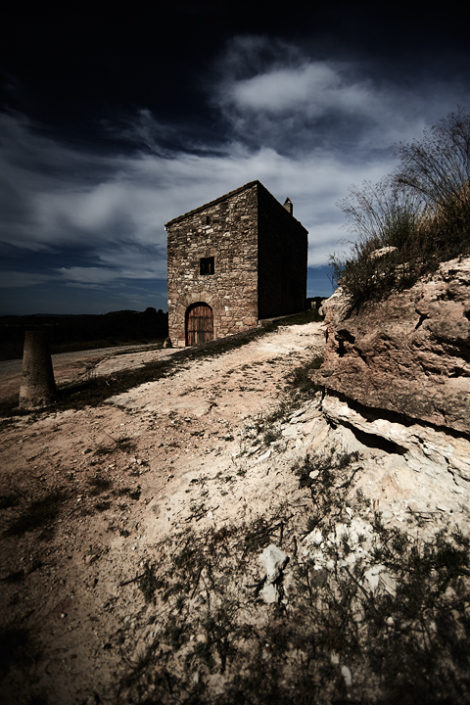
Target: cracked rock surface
[[408, 354]]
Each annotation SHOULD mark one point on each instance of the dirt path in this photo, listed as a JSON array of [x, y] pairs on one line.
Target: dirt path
[[74, 366], [87, 496]]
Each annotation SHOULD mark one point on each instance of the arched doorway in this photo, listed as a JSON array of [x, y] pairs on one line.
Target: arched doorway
[[199, 325]]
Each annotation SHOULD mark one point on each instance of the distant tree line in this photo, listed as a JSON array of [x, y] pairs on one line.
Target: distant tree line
[[77, 332], [411, 221]]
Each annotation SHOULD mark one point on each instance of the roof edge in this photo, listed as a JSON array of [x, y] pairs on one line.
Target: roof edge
[[250, 184], [246, 186]]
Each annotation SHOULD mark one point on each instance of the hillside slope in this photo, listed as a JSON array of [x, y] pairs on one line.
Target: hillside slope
[[224, 535]]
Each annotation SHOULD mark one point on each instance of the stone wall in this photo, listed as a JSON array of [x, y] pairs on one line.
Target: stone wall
[[282, 254], [225, 229]]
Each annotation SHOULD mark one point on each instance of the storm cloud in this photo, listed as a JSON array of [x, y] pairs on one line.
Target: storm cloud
[[308, 128]]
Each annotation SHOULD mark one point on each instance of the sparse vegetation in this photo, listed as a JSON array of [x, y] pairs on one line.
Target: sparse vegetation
[[375, 617], [270, 436], [299, 387], [363, 611], [409, 223]]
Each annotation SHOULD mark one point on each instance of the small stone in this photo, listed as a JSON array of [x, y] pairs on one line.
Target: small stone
[[315, 537], [372, 576], [388, 583], [346, 673], [274, 559], [269, 593]]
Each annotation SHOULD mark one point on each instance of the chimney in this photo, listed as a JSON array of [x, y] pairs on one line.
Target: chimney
[[288, 206]]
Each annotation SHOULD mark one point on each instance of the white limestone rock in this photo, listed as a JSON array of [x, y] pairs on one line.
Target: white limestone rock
[[274, 560]]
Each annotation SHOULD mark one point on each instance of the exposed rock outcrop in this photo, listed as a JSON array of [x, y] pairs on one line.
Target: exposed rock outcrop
[[408, 354]]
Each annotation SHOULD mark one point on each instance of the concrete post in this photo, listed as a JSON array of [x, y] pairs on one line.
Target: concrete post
[[38, 386]]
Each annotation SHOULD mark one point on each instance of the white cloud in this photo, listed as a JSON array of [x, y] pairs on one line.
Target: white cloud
[[326, 239], [119, 217], [125, 264], [135, 262], [293, 101], [315, 87], [307, 129]]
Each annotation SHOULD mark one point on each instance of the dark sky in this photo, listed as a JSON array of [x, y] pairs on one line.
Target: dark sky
[[115, 121]]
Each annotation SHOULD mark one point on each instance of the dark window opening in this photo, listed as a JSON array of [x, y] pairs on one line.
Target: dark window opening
[[206, 265], [208, 219]]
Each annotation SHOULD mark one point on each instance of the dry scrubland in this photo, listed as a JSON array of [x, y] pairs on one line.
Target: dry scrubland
[[225, 534], [245, 523]]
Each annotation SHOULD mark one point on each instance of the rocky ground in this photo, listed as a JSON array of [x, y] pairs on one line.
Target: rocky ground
[[229, 534]]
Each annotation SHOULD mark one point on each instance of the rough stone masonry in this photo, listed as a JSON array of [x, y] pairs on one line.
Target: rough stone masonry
[[232, 262]]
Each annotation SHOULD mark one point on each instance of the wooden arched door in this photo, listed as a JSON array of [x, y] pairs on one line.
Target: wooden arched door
[[199, 324]]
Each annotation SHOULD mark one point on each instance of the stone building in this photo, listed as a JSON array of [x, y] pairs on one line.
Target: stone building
[[232, 262]]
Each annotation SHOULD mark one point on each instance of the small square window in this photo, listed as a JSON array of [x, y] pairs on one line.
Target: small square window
[[206, 265]]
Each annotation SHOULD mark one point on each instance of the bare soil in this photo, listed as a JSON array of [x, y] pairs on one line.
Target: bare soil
[[88, 496]]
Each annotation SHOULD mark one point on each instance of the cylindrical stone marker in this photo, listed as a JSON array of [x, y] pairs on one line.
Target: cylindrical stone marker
[[38, 386]]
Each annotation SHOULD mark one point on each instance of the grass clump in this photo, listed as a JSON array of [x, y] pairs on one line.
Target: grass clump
[[269, 437], [409, 223]]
